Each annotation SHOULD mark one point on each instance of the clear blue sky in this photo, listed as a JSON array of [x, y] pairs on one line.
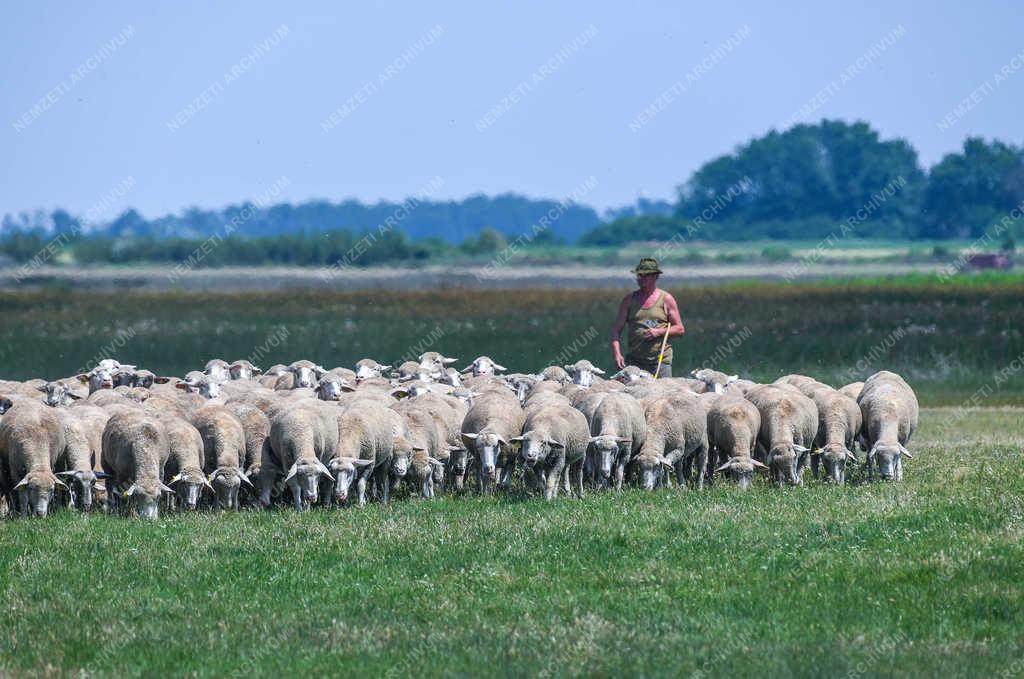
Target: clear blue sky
[[422, 120]]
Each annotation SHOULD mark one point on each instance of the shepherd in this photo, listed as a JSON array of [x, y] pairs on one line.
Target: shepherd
[[653, 317]]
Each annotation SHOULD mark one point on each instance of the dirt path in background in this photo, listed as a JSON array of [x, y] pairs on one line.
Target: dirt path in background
[[230, 279]]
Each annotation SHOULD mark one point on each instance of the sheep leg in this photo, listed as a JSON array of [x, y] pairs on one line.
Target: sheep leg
[[565, 478], [576, 472], [552, 478], [814, 465], [702, 465]]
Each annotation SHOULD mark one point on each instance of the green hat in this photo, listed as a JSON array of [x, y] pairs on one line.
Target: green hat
[[647, 265]]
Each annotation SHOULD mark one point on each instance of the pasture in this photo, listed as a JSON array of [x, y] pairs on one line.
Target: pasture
[[918, 578]]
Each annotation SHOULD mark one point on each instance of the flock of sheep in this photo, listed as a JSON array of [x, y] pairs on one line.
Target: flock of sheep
[[233, 436]]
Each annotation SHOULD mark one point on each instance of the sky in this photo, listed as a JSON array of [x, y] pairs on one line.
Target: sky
[[162, 105]]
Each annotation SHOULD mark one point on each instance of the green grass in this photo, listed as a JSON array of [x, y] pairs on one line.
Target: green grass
[[919, 578], [954, 337]]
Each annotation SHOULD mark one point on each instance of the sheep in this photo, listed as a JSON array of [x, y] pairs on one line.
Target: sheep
[[733, 424], [331, 387], [451, 377], [256, 426], [713, 379], [366, 443], [450, 413], [487, 430], [223, 452], [677, 436], [631, 375], [135, 450], [582, 372], [427, 436], [554, 443], [58, 393], [92, 420], [302, 439], [789, 423], [100, 377], [76, 461], [839, 422], [243, 370], [434, 362], [218, 369], [300, 374], [31, 439], [367, 368], [185, 460], [617, 432], [554, 373], [483, 365], [198, 383], [890, 411]]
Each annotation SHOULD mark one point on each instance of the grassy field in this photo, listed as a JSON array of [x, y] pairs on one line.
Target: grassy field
[[921, 578], [949, 339]]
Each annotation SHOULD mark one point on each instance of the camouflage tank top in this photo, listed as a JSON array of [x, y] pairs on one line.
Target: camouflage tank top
[[642, 349]]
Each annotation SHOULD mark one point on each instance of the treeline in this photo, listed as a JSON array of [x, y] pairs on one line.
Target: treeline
[[334, 248], [807, 181]]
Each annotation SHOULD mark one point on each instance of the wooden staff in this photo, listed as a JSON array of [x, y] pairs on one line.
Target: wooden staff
[[661, 354]]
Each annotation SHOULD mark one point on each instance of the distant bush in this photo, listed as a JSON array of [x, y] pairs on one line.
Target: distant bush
[[776, 253]]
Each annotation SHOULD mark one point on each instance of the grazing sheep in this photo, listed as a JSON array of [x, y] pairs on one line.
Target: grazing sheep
[[890, 411], [839, 422], [31, 439], [554, 373], [733, 424], [677, 437], [223, 452], [302, 439], [554, 442], [427, 435], [789, 423], [488, 429], [256, 426], [185, 457], [366, 444], [135, 450], [617, 432], [77, 461]]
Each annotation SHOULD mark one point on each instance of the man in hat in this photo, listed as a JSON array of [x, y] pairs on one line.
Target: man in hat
[[650, 313]]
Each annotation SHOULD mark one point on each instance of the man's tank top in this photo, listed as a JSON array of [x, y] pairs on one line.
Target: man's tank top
[[641, 348]]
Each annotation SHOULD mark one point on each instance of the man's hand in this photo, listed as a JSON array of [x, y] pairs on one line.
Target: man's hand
[[651, 333], [620, 362]]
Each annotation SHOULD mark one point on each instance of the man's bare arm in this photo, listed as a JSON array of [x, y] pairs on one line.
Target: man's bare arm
[[676, 328]]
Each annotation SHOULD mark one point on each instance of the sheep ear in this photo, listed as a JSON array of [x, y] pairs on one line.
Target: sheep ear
[[800, 449], [758, 464], [161, 380], [61, 483], [516, 439], [597, 371], [41, 387], [73, 397], [555, 444], [471, 437], [498, 367], [23, 482], [175, 478], [83, 378], [362, 463], [166, 489], [725, 466], [130, 491], [244, 479], [851, 457], [905, 451], [291, 472], [816, 451], [436, 463]]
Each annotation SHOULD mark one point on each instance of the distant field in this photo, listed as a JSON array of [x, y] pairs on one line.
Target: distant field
[[949, 339], [922, 578]]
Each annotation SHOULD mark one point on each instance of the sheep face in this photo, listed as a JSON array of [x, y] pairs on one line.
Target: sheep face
[[226, 482], [536, 448], [606, 451], [243, 370], [365, 371], [82, 484], [889, 461], [57, 393], [331, 387], [218, 370], [457, 462], [304, 376], [487, 446], [650, 471], [35, 492], [345, 471], [783, 465], [740, 470], [189, 487], [144, 498], [834, 458], [304, 481]]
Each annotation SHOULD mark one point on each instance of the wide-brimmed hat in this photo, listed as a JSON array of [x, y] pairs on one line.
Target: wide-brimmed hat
[[647, 265]]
